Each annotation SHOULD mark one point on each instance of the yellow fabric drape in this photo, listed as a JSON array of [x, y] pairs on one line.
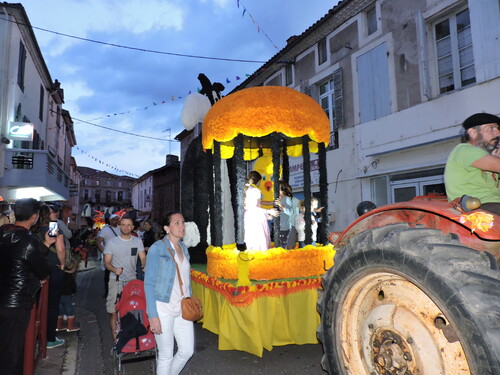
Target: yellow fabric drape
[[268, 321]]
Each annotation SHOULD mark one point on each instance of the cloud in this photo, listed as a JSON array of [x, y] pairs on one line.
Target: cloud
[[117, 87], [108, 17]]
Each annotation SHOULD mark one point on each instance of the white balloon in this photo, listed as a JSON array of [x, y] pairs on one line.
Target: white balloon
[[195, 108]]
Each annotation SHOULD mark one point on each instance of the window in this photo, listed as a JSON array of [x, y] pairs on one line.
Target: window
[[120, 196], [327, 102], [371, 20], [97, 196], [86, 194], [108, 196], [455, 59], [402, 191], [58, 118], [406, 186], [288, 74], [373, 84], [40, 110], [37, 141], [322, 51], [21, 66], [97, 182]]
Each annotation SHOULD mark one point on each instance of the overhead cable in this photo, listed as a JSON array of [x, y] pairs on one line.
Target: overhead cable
[[136, 48]]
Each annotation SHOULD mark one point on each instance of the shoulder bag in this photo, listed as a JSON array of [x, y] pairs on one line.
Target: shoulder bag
[[190, 306]]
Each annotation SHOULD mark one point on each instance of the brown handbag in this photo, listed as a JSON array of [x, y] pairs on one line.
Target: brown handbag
[[190, 306]]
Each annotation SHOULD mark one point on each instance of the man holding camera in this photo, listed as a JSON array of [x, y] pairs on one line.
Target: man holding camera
[[22, 270]]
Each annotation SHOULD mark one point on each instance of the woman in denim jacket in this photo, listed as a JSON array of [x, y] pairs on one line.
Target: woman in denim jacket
[[163, 296]]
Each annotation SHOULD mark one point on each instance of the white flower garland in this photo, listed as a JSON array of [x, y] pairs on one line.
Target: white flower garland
[[192, 236]]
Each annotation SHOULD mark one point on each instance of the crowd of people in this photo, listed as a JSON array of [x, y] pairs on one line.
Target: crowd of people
[[258, 221], [32, 254]]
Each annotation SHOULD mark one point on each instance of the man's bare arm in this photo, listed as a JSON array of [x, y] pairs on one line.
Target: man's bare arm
[[100, 245], [489, 163]]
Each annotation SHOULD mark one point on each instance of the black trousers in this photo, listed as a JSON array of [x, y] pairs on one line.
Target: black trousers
[[55, 290], [13, 324], [106, 282], [494, 208]]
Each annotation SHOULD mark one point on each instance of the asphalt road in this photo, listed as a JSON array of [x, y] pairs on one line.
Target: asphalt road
[[95, 356]]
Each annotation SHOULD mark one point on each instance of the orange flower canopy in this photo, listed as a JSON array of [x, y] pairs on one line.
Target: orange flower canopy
[[260, 111]]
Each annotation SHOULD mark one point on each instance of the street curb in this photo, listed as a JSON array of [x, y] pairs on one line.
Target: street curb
[[70, 359]]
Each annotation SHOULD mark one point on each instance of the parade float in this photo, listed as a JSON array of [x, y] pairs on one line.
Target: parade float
[[256, 299]]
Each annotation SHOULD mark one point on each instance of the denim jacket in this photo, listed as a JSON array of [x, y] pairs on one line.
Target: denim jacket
[[160, 275]]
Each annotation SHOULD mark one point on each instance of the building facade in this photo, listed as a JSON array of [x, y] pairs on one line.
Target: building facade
[[166, 189], [142, 195], [396, 79], [36, 133], [104, 190]]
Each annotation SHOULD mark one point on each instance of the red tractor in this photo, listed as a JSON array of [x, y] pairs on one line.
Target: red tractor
[[415, 289]]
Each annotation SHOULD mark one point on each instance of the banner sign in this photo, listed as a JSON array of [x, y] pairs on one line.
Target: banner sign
[[297, 172]]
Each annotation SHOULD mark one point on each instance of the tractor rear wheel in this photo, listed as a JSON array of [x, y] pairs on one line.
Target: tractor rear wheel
[[409, 301]]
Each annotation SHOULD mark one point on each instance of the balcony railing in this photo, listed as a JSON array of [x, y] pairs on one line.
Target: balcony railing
[[29, 168]]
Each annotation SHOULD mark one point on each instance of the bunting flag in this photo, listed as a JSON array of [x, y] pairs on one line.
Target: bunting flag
[[259, 28], [157, 103], [106, 164]]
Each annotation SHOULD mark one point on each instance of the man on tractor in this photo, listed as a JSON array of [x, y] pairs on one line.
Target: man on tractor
[[473, 166]]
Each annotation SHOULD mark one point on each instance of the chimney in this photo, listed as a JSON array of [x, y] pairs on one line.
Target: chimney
[[292, 39], [172, 159]]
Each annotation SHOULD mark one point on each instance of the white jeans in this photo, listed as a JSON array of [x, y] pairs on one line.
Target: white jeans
[[183, 332]]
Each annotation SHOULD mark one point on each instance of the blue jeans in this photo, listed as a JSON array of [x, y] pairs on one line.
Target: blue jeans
[[66, 306]]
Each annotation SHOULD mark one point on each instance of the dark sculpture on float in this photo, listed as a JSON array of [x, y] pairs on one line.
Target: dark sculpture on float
[[196, 173]]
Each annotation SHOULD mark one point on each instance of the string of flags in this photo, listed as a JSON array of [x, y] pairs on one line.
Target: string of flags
[[159, 102], [106, 164], [259, 28]]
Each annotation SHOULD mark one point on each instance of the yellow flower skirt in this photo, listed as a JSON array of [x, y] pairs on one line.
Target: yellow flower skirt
[[275, 263]]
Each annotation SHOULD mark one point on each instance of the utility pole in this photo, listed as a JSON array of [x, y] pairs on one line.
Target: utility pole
[[169, 130]]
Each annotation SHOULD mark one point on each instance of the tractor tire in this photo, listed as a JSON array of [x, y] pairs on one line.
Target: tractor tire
[[409, 301]]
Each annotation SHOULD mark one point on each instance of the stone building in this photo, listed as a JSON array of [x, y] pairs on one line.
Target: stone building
[[104, 190], [397, 79], [166, 188], [36, 132]]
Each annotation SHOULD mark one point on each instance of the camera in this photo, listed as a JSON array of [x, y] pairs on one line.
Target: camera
[[53, 229]]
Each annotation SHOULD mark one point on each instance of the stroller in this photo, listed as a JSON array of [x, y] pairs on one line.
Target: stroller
[[135, 339]]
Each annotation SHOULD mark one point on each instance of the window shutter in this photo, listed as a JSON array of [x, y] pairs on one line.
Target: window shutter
[[306, 88], [339, 98]]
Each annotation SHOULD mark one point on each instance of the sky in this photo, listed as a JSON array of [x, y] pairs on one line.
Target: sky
[[142, 93]]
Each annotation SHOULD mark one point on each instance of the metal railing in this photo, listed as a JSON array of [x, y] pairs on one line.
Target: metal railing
[[35, 339]]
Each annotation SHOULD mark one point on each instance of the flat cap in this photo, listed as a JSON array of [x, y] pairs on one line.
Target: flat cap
[[480, 119]]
